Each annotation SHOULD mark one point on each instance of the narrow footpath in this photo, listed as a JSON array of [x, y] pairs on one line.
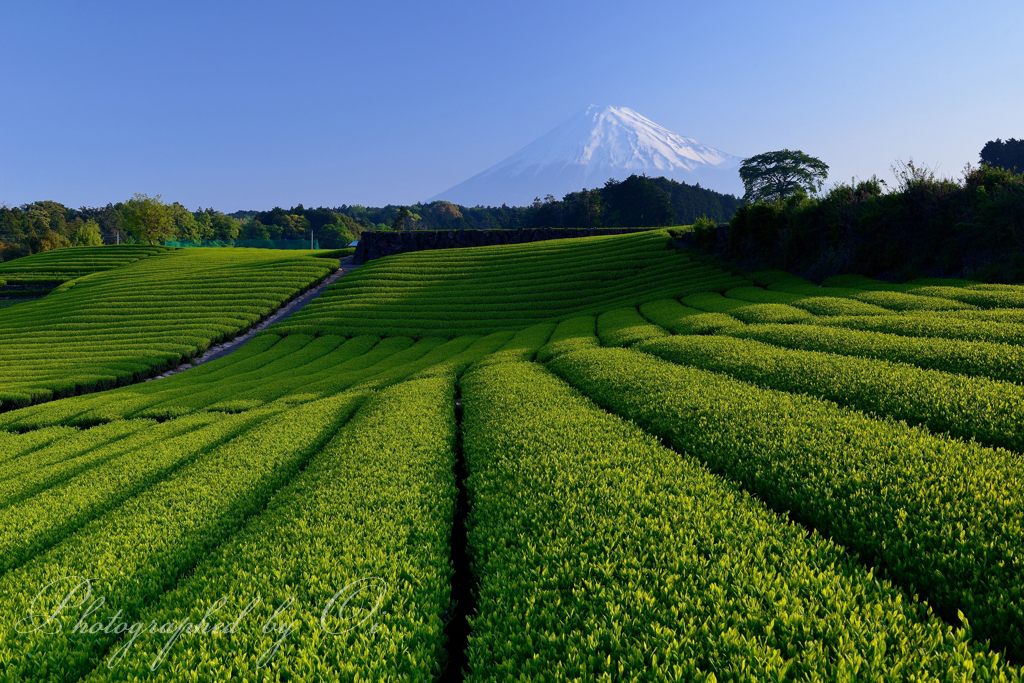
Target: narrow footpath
[[289, 309]]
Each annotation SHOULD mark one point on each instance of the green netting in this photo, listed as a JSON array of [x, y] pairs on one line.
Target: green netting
[[260, 244]]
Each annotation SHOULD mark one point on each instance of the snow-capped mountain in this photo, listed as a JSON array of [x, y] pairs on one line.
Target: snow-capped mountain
[[597, 144]]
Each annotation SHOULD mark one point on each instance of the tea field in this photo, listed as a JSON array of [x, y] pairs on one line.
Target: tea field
[[139, 311], [596, 459]]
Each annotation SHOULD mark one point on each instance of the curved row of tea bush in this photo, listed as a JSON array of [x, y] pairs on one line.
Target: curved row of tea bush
[[989, 297], [140, 549], [570, 335], [59, 265], [43, 467], [524, 346], [451, 358], [359, 542], [760, 312], [934, 326], [1003, 362], [624, 327], [467, 291], [291, 353], [13, 444], [252, 363], [100, 407], [905, 301], [601, 555], [280, 371], [105, 478], [943, 518], [816, 305], [323, 356], [116, 326], [969, 407], [680, 319]]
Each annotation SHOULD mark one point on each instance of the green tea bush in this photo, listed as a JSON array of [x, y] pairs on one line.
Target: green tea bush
[[991, 297], [466, 291], [523, 346], [976, 359], [941, 518], [137, 550], [770, 313], [901, 301], [43, 467], [679, 319], [570, 335], [934, 326], [374, 508], [602, 555], [711, 302], [969, 407], [624, 327], [154, 312]]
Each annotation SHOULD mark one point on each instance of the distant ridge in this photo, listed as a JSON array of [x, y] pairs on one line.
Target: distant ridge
[[599, 143]]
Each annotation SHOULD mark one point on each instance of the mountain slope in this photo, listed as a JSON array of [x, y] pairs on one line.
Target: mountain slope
[[597, 144]]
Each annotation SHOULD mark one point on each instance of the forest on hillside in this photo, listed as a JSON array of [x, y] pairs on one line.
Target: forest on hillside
[[637, 201]]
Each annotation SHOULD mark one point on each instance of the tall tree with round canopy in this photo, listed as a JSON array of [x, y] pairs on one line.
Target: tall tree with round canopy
[[776, 175]]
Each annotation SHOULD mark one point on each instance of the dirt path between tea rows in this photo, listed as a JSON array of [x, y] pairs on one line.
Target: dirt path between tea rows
[[286, 311]]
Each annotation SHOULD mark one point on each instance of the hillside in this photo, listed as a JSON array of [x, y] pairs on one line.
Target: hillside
[[466, 291], [588, 459], [61, 265], [120, 317], [37, 275]]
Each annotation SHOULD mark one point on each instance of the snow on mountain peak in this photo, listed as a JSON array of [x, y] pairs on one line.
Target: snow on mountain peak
[[598, 143]]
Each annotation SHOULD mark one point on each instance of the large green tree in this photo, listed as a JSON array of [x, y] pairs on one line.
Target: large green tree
[[87, 234], [776, 175], [337, 234], [185, 225], [223, 226], [1008, 154], [148, 218]]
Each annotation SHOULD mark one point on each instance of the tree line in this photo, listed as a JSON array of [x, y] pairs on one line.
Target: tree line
[[41, 226], [637, 201], [972, 226]]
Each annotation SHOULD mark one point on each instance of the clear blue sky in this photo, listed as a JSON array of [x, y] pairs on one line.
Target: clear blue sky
[[251, 104]]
